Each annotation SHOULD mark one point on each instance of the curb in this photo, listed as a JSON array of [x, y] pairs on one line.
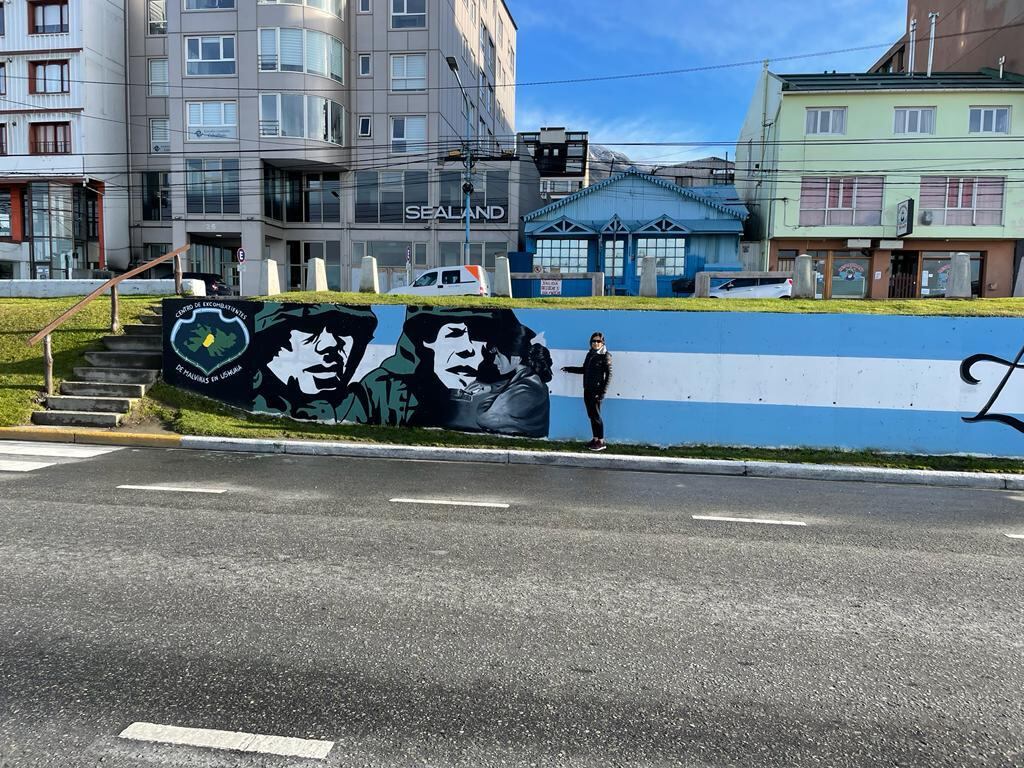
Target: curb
[[763, 469]]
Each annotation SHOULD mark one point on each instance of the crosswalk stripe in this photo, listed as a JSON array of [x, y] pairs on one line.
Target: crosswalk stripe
[[237, 741], [55, 450], [16, 465]]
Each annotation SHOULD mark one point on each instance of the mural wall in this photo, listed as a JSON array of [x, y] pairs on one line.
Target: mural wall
[[914, 384]]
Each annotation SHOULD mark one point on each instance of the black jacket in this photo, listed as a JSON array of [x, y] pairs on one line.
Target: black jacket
[[597, 372]]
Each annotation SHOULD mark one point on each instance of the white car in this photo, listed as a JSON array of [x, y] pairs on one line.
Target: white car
[[754, 288], [448, 281]]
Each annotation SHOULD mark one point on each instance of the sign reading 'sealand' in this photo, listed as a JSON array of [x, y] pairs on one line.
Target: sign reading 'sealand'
[[452, 213]]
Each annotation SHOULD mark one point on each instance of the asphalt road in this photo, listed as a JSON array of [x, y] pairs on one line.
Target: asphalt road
[[592, 622]]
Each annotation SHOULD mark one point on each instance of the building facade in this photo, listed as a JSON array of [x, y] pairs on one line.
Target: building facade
[[63, 142], [323, 128], [562, 160], [968, 36], [882, 177], [611, 226]]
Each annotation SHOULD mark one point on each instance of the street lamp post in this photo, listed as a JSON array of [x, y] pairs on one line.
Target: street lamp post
[[467, 155]]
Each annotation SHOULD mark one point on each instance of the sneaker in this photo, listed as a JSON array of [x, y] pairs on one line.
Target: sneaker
[[591, 445], [598, 445]]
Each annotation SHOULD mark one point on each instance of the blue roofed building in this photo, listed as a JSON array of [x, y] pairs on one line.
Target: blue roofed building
[[610, 226]]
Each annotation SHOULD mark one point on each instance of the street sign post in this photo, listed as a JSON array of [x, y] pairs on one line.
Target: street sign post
[[240, 255]]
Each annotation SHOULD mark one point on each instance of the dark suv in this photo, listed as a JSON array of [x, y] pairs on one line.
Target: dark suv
[[215, 285]]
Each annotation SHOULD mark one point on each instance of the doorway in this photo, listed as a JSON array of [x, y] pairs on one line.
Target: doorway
[[903, 275]]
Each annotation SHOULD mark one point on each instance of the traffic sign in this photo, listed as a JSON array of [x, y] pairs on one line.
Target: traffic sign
[[240, 255]]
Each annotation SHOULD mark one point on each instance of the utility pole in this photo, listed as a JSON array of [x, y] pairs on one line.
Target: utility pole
[[467, 155]]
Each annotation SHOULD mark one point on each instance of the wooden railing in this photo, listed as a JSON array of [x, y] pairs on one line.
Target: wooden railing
[[115, 321]]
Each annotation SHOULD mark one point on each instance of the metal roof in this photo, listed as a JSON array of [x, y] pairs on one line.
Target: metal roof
[[893, 81]]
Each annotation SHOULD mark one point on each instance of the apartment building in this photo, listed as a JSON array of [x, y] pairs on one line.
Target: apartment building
[[63, 139], [562, 159], [968, 37], [882, 177], [324, 128]]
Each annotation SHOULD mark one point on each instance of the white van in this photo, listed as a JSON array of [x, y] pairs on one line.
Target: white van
[[469, 280]]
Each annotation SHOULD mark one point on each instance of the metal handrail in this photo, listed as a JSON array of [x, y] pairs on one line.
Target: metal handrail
[[112, 283]]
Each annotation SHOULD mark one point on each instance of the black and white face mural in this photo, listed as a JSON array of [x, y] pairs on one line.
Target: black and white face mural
[[477, 370], [985, 414], [306, 356]]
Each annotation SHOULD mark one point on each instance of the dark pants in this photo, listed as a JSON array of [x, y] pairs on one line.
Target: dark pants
[[593, 404]]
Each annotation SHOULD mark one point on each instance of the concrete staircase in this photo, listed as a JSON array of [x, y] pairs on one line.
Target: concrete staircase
[[102, 392]]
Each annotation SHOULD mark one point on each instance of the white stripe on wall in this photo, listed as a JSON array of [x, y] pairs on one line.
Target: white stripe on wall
[[793, 380]]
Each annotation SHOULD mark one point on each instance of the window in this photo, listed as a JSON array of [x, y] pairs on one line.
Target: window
[[158, 78], [990, 120], [408, 14], [850, 275], [364, 6], [3, 19], [826, 121], [3, 79], [321, 197], [300, 116], [211, 186], [297, 50], [210, 55], [49, 139], [208, 5], [5, 213], [47, 17], [962, 201], [156, 10], [159, 134], [490, 189], [156, 196], [562, 255], [409, 72], [49, 77], [330, 6], [212, 120], [915, 120], [935, 269], [3, 138], [365, 126], [365, 64], [670, 253], [841, 200], [383, 196], [408, 134]]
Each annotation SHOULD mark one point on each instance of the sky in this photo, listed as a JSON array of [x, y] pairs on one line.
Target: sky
[[563, 39]]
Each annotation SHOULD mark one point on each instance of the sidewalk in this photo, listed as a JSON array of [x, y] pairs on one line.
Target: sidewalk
[[767, 469]]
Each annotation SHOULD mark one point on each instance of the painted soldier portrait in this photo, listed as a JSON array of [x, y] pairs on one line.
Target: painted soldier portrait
[[474, 370], [306, 357]]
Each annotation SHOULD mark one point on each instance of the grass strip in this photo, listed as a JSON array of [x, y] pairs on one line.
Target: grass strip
[[190, 414], [21, 366], [908, 307]]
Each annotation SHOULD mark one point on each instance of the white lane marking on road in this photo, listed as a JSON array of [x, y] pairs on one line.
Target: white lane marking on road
[[446, 502], [171, 488], [238, 741], [760, 521], [1014, 535], [16, 465], [55, 450]]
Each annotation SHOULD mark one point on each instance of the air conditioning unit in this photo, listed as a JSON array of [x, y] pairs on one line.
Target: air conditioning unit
[[927, 217]]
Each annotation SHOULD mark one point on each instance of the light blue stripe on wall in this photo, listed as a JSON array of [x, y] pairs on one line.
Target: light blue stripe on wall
[[770, 426], [921, 338]]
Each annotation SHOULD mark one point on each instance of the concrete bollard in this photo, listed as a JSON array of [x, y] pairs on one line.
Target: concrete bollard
[[502, 277], [270, 278], [316, 275], [1018, 287], [649, 277], [959, 285], [702, 285], [369, 280], [803, 278]]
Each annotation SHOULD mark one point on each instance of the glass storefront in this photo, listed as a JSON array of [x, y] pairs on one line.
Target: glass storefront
[[935, 268], [62, 219]]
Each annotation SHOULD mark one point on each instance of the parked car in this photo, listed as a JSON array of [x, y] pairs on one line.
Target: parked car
[[754, 288], [215, 285], [448, 281]]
